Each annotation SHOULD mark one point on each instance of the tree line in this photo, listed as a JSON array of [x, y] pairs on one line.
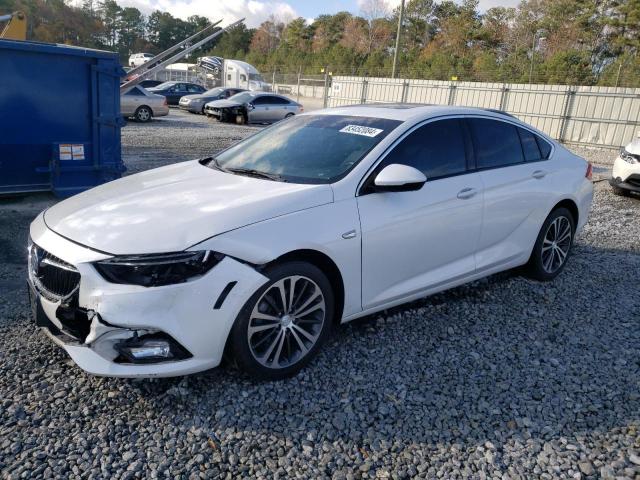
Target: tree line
[[546, 41]]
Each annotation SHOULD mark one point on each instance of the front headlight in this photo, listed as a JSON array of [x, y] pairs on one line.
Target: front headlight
[[628, 157], [157, 269]]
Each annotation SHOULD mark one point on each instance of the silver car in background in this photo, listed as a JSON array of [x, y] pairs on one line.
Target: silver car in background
[[253, 107], [142, 105]]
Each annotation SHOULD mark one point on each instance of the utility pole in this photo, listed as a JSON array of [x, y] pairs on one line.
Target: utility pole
[[533, 54], [395, 52]]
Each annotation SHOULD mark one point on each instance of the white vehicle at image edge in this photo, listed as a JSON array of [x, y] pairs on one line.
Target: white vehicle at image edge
[[625, 176], [320, 219]]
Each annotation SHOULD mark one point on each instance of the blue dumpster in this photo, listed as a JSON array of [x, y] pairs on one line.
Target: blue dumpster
[[59, 118]]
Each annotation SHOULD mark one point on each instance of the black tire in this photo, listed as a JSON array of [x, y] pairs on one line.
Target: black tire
[[245, 349], [289, 115], [538, 266], [143, 114], [620, 192]]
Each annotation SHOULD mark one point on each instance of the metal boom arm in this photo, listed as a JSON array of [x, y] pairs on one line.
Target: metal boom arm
[[132, 83], [140, 69]]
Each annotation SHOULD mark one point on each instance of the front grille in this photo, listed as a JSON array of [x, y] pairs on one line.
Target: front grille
[[52, 277]]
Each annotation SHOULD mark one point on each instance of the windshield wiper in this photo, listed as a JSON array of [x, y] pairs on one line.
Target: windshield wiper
[[213, 162], [256, 173]]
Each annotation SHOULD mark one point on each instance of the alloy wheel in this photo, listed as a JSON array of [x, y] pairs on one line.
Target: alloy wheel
[[556, 244], [144, 114], [286, 322]]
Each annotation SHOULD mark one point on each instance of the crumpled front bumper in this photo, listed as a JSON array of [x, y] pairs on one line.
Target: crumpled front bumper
[[625, 175], [185, 312]]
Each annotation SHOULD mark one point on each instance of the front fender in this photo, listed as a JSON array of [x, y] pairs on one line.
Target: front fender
[[319, 228]]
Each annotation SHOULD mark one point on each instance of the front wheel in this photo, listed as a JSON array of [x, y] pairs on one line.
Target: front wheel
[[284, 324], [143, 114], [620, 192], [552, 246]]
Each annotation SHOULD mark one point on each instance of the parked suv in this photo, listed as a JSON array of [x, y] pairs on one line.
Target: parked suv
[[259, 251], [625, 176], [138, 59]]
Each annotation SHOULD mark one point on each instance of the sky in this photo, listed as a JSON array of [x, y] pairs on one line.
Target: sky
[[256, 11]]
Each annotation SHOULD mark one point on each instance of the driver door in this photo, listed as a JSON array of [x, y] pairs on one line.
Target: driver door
[[417, 240]]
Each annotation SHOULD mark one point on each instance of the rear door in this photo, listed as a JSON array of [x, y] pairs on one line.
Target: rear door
[[515, 177], [413, 241]]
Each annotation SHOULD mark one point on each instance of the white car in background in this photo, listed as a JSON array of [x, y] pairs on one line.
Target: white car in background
[[138, 59], [625, 177], [320, 219]]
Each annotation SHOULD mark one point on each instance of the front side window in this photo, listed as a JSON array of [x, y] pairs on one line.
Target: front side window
[[437, 149], [308, 148], [261, 101], [243, 97], [496, 143]]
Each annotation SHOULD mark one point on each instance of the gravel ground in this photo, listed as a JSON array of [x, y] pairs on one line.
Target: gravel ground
[[503, 378]]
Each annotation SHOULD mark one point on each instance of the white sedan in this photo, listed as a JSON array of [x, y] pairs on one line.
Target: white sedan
[[323, 218]]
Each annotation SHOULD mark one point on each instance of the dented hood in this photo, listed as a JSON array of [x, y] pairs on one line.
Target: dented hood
[[172, 208]]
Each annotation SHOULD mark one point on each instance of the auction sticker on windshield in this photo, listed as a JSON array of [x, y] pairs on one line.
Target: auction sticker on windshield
[[360, 130]]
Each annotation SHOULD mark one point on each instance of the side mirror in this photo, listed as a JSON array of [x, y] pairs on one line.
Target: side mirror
[[250, 106], [399, 178]]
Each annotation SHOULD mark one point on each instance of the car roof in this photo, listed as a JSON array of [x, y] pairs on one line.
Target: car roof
[[409, 111]]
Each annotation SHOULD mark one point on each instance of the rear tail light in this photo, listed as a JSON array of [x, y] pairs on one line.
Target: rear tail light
[[301, 109], [589, 173], [165, 101]]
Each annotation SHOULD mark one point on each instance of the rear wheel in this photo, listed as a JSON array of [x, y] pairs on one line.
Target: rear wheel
[[284, 324], [143, 114], [289, 115], [553, 245]]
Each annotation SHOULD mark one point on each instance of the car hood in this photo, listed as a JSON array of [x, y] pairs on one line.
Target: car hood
[[634, 147], [223, 104], [172, 208]]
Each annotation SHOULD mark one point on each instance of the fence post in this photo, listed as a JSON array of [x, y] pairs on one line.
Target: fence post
[[566, 112], [325, 93], [503, 97], [363, 95], [273, 82], [405, 92], [452, 94], [299, 71]]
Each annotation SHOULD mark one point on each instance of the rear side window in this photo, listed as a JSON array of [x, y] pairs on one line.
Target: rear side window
[[545, 147], [496, 143], [279, 101], [135, 92], [436, 149], [529, 146]]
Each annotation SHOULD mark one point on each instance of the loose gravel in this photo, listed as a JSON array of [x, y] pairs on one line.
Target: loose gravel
[[502, 378]]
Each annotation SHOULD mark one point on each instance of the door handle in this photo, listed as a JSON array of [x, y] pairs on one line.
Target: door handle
[[539, 174], [467, 193]]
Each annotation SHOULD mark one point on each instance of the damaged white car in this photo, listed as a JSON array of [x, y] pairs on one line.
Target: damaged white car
[[625, 176], [318, 220]]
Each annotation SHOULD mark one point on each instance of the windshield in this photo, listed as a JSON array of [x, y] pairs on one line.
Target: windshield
[[308, 149], [256, 77], [214, 92], [243, 97], [164, 85]]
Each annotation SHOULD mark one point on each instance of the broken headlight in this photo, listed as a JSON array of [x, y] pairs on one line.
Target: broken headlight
[[628, 157], [157, 269]]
